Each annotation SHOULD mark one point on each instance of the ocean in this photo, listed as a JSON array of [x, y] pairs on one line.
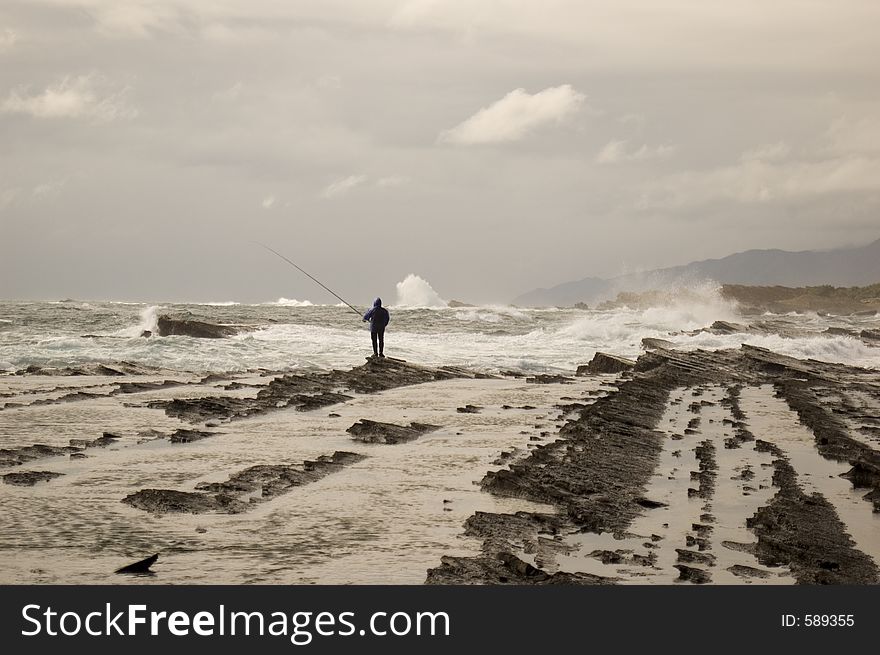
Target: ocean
[[298, 335]]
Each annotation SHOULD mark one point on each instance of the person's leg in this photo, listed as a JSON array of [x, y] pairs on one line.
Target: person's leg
[[381, 341], [373, 339]]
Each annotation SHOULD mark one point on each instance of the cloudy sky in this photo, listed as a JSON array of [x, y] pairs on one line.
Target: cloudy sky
[[490, 146]]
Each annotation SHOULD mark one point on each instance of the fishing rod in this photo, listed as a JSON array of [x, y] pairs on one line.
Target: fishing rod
[[310, 276]]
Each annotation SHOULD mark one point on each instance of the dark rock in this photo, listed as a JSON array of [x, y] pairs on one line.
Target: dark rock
[[388, 433], [188, 436], [695, 575], [742, 571], [694, 557], [647, 503], [106, 370], [725, 327], [163, 501], [605, 363], [468, 409], [29, 478], [502, 568], [168, 326], [607, 556], [140, 567], [549, 379], [17, 456], [236, 495], [596, 472], [650, 343], [870, 335]]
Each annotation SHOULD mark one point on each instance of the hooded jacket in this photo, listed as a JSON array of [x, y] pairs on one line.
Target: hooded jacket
[[378, 316]]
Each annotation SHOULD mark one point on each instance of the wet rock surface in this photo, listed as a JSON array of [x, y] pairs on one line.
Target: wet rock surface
[[112, 369], [242, 490], [388, 433], [308, 391], [167, 326], [18, 456], [596, 471], [29, 478], [605, 363]]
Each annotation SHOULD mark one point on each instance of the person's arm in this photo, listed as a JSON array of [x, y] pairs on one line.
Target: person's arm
[[369, 314]]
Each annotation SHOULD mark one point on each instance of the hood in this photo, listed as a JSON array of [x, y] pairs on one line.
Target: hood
[[377, 302]]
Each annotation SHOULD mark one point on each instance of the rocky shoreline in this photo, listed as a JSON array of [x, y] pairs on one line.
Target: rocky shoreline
[[666, 465], [595, 474]]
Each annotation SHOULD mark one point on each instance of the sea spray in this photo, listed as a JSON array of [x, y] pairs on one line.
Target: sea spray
[[147, 322], [415, 291], [633, 316]]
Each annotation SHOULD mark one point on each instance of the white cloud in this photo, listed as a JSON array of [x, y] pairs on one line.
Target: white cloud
[[343, 186], [516, 115], [616, 152], [268, 202], [767, 152], [758, 181], [7, 39], [84, 96], [392, 181], [48, 189]]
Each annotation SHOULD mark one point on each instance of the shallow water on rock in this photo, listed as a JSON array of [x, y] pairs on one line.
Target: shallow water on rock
[[710, 525], [386, 519]]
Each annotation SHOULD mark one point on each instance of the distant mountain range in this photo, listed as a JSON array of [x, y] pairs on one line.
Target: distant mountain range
[[844, 267]]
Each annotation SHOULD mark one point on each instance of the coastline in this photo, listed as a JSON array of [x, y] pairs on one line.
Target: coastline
[[252, 487]]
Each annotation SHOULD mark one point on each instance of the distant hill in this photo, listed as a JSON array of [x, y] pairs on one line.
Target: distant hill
[[844, 267]]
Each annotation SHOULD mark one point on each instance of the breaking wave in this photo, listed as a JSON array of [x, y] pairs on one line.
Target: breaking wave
[[677, 310], [148, 320], [415, 291], [292, 302]]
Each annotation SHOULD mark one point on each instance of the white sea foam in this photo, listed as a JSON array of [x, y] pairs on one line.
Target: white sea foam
[[149, 317], [488, 338], [292, 302], [415, 291]]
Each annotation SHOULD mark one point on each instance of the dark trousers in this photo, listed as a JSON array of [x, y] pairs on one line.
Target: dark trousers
[[378, 334]]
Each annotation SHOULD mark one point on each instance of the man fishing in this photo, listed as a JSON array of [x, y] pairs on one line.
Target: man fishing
[[378, 317]]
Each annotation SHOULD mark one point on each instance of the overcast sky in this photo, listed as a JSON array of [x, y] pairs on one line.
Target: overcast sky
[[488, 146]]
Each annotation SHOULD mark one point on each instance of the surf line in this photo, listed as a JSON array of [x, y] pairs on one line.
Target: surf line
[[313, 278]]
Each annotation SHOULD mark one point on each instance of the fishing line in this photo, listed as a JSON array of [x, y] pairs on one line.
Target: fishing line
[[313, 278]]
